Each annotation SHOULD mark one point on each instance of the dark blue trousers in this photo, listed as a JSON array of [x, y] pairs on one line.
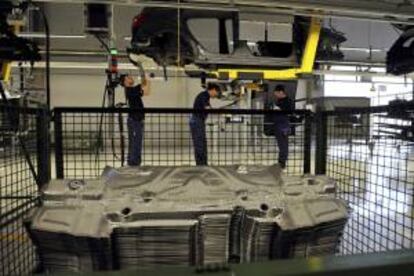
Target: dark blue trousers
[[135, 136], [282, 138], [198, 133]]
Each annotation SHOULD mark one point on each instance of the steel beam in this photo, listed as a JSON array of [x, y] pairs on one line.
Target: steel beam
[[306, 68], [402, 12]]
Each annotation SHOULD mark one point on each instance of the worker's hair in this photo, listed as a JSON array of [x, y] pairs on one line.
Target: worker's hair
[[280, 87], [122, 79], [211, 86]]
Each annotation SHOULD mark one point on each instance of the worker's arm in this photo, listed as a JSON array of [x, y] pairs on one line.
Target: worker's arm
[[146, 86], [208, 104]]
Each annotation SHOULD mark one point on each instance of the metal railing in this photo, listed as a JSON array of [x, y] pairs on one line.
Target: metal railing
[[23, 134], [88, 139], [370, 154]]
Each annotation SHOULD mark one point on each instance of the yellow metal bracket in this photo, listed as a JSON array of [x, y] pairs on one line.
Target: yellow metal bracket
[[308, 61], [5, 71], [6, 66]]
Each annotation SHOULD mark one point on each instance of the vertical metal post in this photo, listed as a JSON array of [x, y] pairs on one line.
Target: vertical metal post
[[122, 136], [321, 142], [58, 144], [43, 146], [22, 79], [307, 151]]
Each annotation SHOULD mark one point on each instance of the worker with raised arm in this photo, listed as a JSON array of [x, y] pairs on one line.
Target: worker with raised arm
[[133, 96]]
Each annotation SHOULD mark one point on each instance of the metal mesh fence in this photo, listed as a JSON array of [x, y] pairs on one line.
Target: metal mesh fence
[[18, 186], [87, 140], [371, 155]]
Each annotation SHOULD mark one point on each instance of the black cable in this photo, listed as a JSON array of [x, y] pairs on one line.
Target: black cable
[[48, 88], [19, 138], [103, 44], [100, 123], [47, 33], [107, 87], [100, 138], [22, 144]]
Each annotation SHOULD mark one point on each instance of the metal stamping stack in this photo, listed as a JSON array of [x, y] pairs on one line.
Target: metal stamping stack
[[310, 228], [70, 239], [154, 242], [144, 217], [214, 238], [262, 232]]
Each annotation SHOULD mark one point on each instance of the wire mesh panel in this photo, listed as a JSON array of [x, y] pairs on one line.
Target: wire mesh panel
[[89, 139], [19, 138], [371, 155]]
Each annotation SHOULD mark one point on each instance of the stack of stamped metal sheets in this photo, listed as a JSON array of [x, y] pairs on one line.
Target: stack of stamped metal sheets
[[71, 238], [213, 238], [155, 242], [143, 217]]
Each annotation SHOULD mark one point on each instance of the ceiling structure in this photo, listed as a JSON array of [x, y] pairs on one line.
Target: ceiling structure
[[397, 11], [366, 24]]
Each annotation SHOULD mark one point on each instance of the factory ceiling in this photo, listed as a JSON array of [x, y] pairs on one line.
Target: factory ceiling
[[397, 11], [367, 24]]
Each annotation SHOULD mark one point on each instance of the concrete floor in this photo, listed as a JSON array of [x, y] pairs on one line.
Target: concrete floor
[[378, 183]]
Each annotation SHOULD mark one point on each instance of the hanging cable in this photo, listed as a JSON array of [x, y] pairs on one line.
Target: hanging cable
[[99, 138], [19, 138], [22, 7], [109, 91], [178, 44], [103, 44], [47, 33]]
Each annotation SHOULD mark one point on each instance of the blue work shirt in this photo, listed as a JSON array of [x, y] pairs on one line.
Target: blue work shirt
[[281, 121], [134, 100], [201, 102]]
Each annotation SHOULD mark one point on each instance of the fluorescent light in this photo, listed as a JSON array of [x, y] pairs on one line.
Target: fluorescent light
[[366, 50]]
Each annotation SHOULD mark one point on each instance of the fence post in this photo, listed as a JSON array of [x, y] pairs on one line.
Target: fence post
[[321, 142], [307, 151], [58, 144], [43, 147], [122, 136]]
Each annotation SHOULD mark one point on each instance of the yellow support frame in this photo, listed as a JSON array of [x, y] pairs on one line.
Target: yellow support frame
[[6, 66], [308, 60], [5, 71]]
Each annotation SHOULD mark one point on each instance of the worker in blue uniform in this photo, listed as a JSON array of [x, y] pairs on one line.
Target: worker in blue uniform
[[281, 123], [198, 123], [133, 95]]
